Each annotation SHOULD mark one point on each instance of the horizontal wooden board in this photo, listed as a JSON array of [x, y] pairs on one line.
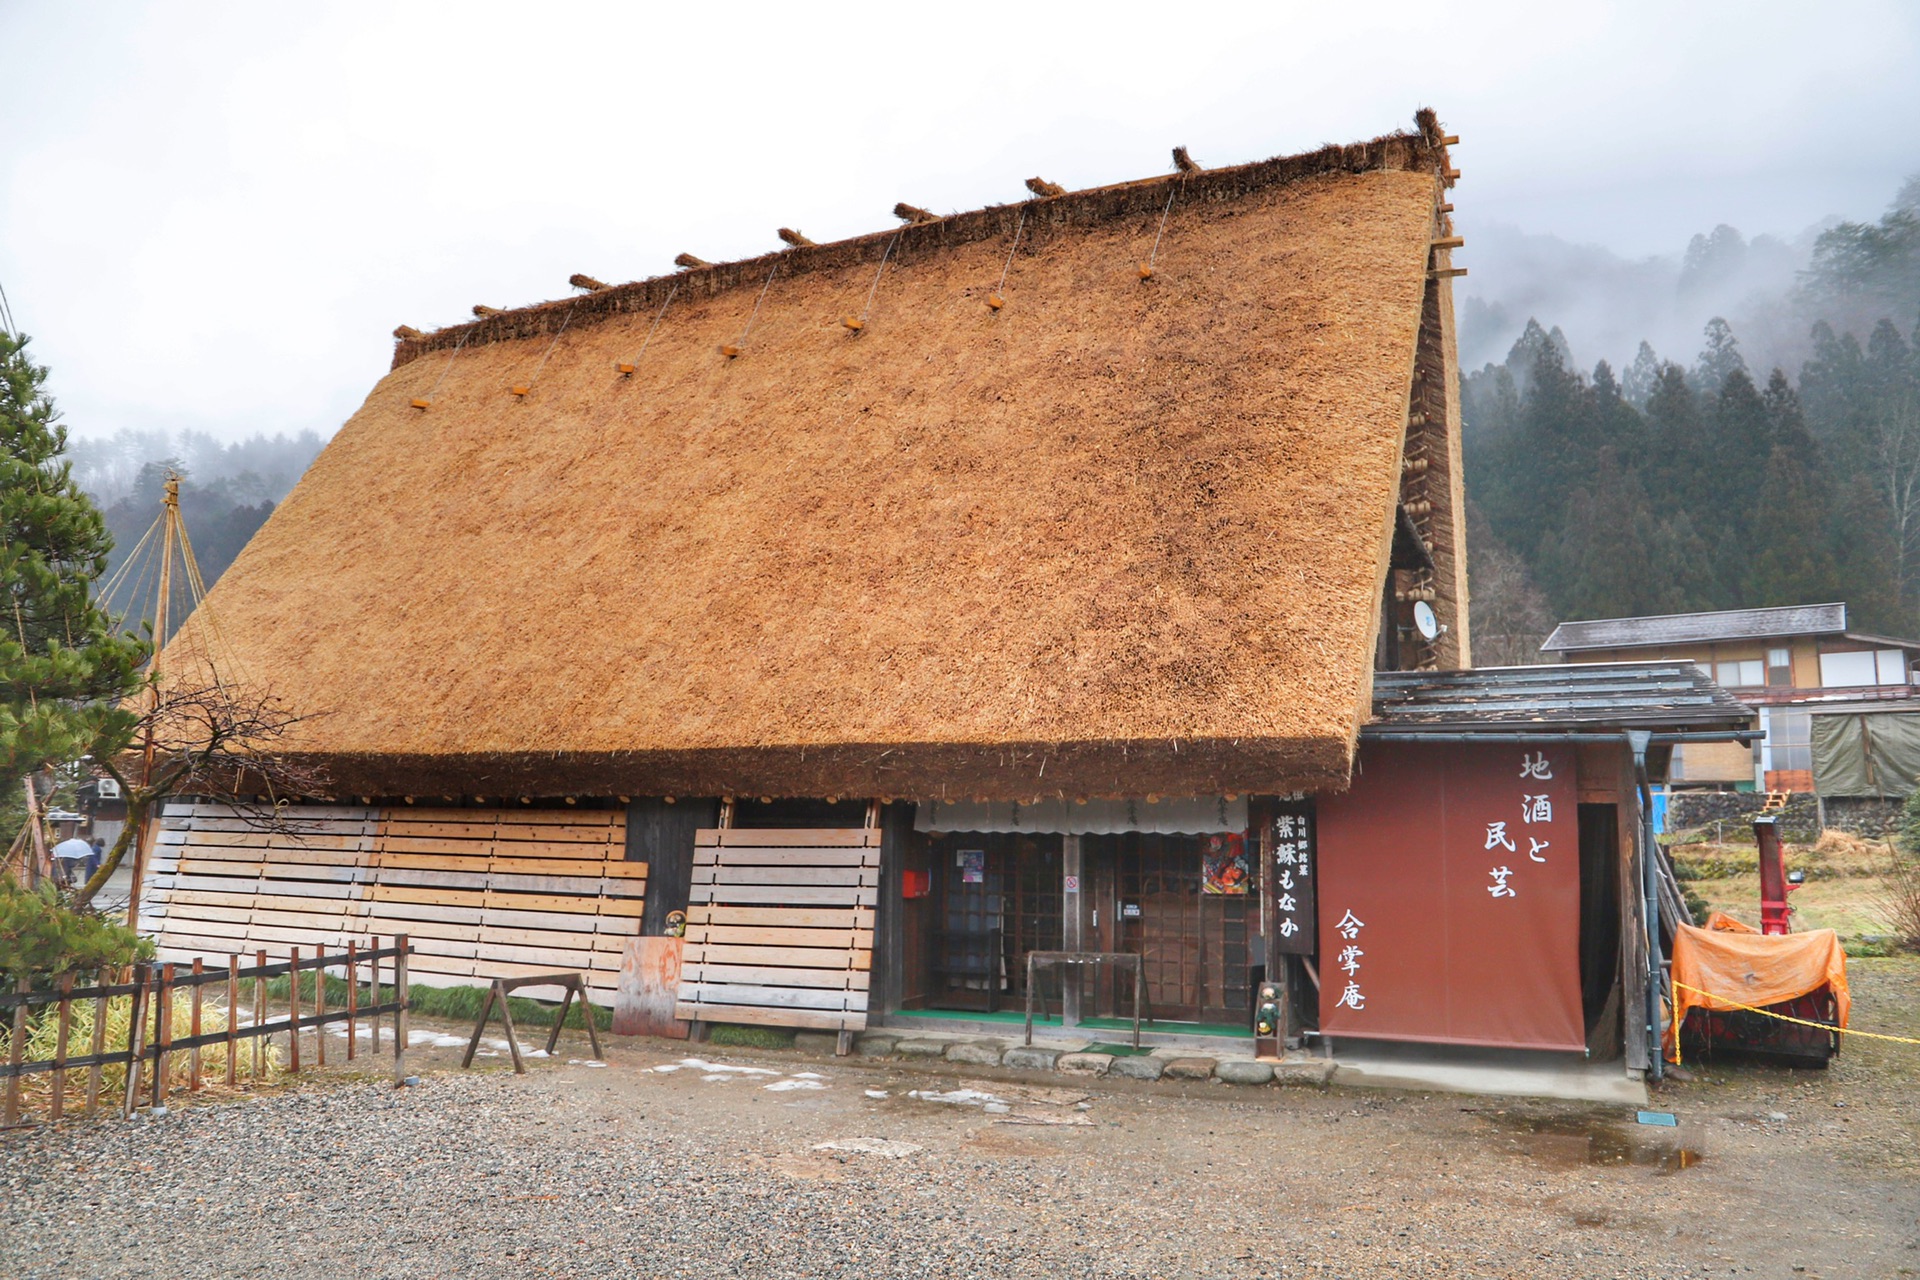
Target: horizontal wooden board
[[767, 976], [748, 837], [812, 876], [785, 857], [833, 958], [805, 1019], [784, 895], [707, 993], [775, 936], [797, 917]]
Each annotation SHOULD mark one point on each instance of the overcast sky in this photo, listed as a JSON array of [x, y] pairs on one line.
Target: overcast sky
[[213, 216]]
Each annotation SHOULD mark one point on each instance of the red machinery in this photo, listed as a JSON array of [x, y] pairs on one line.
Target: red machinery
[[1805, 977], [1775, 883]]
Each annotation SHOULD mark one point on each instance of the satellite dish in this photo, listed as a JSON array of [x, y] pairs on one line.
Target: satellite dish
[[1424, 622]]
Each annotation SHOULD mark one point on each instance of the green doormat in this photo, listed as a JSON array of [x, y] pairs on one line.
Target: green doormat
[[1117, 1050]]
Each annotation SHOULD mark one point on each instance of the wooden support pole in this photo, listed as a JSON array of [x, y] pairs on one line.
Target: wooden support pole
[[320, 1003], [353, 996], [293, 1014], [373, 980], [259, 1015], [400, 1018], [16, 1050], [162, 1036], [136, 1037], [233, 1021], [99, 1045], [193, 1054], [59, 1102]]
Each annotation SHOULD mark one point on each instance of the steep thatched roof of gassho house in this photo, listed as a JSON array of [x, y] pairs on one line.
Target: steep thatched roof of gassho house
[[1120, 536]]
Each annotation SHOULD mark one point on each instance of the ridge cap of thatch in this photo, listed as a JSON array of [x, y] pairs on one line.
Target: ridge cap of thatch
[[1426, 148]]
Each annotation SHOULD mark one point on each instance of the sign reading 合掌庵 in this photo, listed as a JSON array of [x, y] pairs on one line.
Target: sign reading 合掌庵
[[1450, 897], [1293, 865]]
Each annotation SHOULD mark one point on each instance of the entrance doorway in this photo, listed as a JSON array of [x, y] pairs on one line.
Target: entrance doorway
[[1193, 944], [997, 896]]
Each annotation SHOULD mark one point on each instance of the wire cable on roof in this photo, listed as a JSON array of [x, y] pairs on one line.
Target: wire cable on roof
[[421, 402], [997, 299], [733, 349], [629, 366], [565, 320], [861, 323], [1146, 268]]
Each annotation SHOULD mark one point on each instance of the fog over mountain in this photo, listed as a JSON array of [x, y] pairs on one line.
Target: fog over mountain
[[1607, 304]]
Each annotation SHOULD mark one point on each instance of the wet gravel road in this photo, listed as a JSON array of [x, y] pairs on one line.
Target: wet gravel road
[[627, 1170]]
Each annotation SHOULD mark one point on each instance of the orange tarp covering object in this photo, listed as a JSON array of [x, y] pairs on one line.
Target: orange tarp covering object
[[1733, 962]]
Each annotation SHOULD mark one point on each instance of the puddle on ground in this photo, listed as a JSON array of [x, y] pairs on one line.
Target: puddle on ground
[[1570, 1142]]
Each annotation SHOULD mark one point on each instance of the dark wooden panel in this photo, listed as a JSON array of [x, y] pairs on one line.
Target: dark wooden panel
[[661, 835]]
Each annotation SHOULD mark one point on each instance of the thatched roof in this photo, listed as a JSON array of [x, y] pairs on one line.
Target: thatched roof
[[1119, 537]]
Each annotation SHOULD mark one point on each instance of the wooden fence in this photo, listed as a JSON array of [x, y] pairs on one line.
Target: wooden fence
[[780, 928], [153, 1043], [483, 893]]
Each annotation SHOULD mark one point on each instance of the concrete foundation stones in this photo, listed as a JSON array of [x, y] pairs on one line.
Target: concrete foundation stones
[[873, 1046], [1138, 1068], [1026, 1058], [1083, 1064], [1189, 1068], [974, 1053], [1243, 1071], [920, 1048]]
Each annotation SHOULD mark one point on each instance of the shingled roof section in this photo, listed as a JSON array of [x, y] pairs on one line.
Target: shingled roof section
[[1118, 537], [1689, 628]]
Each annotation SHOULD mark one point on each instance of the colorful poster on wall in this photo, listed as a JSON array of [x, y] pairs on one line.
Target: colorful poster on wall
[[973, 866], [1223, 865], [1450, 898], [1290, 846]]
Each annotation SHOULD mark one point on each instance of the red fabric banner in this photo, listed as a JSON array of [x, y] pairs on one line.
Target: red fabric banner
[[1450, 897]]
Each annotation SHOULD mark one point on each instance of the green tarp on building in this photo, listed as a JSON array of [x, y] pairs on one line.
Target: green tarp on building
[[1866, 753]]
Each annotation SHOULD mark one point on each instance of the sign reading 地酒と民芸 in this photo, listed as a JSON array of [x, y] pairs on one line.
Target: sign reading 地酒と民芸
[[1449, 881]]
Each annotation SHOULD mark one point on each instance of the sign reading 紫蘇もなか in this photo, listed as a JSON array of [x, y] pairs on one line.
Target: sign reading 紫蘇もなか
[[1449, 881], [1293, 865]]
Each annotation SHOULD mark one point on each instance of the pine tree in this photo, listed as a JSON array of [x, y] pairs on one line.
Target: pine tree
[[63, 668]]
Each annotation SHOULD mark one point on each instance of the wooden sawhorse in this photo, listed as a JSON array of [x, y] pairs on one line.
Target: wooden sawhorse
[[574, 983]]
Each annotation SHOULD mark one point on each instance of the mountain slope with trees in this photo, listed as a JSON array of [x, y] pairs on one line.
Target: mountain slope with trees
[[1667, 488]]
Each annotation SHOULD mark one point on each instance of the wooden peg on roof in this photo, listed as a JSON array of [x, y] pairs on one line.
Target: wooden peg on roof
[[794, 238], [912, 213], [1184, 162], [580, 280], [690, 262], [482, 310], [407, 333], [1044, 189]]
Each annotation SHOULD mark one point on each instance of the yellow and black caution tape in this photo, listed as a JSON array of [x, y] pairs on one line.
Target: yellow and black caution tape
[[1768, 1013]]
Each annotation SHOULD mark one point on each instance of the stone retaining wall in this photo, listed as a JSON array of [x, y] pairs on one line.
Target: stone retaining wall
[[1169, 1064], [1736, 810]]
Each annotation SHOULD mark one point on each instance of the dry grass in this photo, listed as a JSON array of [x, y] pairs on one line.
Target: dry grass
[[1115, 538]]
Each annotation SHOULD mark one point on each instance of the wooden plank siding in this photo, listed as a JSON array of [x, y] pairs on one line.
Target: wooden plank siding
[[780, 928], [483, 893]]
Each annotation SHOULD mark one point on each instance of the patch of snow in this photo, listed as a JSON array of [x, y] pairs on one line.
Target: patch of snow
[[956, 1097], [876, 1093], [784, 1086], [887, 1147], [584, 1062]]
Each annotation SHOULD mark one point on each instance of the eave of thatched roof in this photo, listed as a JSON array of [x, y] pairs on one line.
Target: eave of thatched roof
[[1117, 538]]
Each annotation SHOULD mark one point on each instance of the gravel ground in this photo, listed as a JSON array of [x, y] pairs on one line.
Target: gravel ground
[[694, 1171]]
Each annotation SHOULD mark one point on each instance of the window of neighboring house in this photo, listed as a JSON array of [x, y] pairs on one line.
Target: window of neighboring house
[[1779, 666], [1844, 670], [1740, 675], [1789, 740], [1892, 666]]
